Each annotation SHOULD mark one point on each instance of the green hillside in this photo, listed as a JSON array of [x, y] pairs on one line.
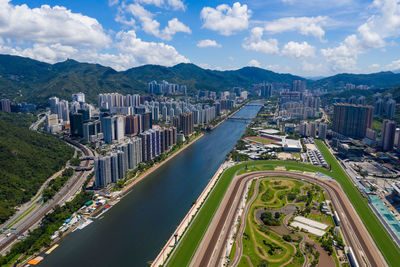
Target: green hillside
[[385, 79], [24, 79], [27, 159]]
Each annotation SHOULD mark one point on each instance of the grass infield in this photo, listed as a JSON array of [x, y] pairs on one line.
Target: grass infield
[[187, 246]]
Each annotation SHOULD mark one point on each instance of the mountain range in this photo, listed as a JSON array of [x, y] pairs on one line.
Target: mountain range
[[25, 79]]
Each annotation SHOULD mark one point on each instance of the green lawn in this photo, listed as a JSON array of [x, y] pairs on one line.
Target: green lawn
[[188, 245], [261, 140]]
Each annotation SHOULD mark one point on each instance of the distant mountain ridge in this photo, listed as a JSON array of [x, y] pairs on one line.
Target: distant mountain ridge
[[25, 79], [384, 79]]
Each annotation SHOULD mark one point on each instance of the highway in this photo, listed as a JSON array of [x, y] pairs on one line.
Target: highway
[[211, 251], [36, 124], [66, 193]]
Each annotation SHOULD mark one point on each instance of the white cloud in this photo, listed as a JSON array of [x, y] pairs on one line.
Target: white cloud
[[204, 65], [298, 50], [55, 34], [43, 52], [372, 34], [304, 25], [176, 4], [147, 52], [157, 3], [254, 63], [50, 25], [225, 19], [343, 57], [394, 65], [113, 2], [152, 26], [172, 4], [384, 24], [174, 26], [208, 43], [256, 43]]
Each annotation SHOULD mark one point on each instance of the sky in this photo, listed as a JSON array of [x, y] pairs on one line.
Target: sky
[[310, 38]]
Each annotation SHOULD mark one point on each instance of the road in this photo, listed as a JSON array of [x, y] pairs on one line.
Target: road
[[243, 219], [212, 247], [66, 193], [36, 124]]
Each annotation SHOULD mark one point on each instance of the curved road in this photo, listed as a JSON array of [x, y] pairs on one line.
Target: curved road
[[73, 185], [212, 247], [243, 219]]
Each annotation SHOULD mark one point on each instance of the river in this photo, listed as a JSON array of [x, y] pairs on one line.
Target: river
[[133, 232]]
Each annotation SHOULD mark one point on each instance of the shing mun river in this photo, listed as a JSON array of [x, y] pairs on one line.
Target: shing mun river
[[134, 231]]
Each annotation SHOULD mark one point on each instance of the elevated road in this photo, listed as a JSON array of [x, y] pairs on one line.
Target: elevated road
[[211, 251], [66, 193]]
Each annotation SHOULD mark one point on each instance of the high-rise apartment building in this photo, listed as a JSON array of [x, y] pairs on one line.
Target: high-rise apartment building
[[102, 167], [390, 108], [90, 128], [132, 124], [388, 134], [53, 104], [352, 120], [147, 122], [63, 110], [77, 124], [322, 129], [113, 128], [187, 123], [78, 97], [299, 86]]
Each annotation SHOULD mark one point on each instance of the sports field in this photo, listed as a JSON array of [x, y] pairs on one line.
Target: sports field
[[262, 140], [188, 245]]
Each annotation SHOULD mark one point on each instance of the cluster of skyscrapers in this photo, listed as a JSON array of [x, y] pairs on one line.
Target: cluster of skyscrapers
[[64, 115], [166, 88], [352, 120], [298, 105], [127, 126], [313, 129], [384, 106], [355, 121], [114, 166]]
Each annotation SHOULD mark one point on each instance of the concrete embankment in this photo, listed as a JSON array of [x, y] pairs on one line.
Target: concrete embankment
[[180, 230]]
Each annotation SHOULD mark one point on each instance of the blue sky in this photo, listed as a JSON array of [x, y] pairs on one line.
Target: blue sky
[[303, 37]]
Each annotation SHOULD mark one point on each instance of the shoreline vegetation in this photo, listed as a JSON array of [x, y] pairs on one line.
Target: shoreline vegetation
[[27, 160], [42, 234]]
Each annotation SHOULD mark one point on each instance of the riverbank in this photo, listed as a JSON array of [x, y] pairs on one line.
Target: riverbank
[[142, 176], [180, 231], [169, 190], [231, 114]]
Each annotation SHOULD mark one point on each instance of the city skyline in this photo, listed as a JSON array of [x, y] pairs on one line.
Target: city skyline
[[313, 39]]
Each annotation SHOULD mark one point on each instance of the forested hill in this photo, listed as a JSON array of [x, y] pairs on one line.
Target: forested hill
[[25, 79], [27, 159], [385, 79]]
